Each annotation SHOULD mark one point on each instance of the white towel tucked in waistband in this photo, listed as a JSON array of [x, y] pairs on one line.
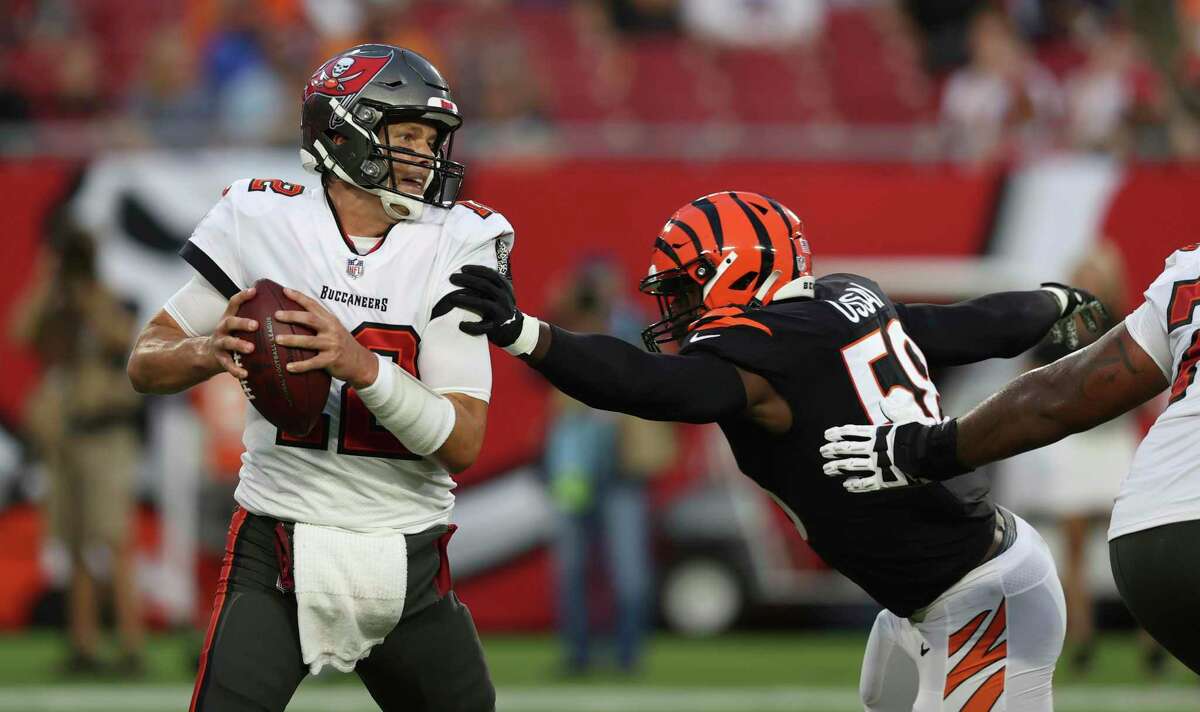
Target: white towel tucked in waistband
[[350, 589]]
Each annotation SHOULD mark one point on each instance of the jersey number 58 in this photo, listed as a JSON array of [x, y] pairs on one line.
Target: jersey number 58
[[889, 373]]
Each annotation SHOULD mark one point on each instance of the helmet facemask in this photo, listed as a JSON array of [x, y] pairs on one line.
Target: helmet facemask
[[366, 145], [680, 299]]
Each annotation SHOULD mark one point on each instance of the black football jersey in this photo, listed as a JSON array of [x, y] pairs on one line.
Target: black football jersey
[[844, 357]]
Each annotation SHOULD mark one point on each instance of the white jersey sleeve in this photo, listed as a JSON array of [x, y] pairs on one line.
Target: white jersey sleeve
[[213, 250], [1147, 325], [197, 307], [451, 361]]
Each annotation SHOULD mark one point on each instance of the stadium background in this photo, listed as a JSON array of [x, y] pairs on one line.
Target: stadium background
[[587, 124]]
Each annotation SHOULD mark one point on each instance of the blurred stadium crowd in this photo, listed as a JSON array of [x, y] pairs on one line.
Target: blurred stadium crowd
[[785, 77]]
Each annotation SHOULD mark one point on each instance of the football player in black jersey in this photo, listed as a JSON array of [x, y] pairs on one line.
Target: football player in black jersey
[[776, 357]]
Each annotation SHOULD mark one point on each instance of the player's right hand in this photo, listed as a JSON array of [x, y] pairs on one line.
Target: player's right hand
[[226, 348], [486, 292]]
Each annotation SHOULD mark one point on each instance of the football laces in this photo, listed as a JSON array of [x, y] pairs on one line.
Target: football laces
[[237, 361]]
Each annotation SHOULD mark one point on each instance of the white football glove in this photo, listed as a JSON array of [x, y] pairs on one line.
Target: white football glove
[[865, 448]]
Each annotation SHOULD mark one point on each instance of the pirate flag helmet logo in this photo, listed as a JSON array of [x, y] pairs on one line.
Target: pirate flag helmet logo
[[345, 75]]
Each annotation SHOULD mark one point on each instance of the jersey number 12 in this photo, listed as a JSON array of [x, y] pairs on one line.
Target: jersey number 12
[[359, 433]]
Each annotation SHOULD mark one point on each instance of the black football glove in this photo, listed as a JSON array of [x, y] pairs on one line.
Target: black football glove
[[486, 293], [1075, 302], [892, 455]]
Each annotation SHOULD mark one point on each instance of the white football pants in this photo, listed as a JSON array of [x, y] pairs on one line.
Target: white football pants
[[989, 643]]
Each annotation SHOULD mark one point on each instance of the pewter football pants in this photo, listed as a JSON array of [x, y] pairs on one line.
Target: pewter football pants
[[432, 660], [1158, 575], [989, 643]]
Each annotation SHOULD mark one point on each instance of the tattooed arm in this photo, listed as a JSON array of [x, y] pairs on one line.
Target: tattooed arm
[[1075, 393]]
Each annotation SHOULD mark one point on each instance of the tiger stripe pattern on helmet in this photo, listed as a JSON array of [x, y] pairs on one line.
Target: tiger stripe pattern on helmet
[[733, 248]]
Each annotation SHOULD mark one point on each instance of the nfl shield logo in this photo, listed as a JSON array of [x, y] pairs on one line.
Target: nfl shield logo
[[354, 267]]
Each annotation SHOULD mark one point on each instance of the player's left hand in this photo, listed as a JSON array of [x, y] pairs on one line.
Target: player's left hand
[[338, 352], [893, 454], [1080, 303]]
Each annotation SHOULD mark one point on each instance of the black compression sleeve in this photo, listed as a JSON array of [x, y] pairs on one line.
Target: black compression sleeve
[[607, 373], [1000, 325]]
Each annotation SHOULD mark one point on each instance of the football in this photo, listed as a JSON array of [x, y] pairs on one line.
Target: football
[[290, 401]]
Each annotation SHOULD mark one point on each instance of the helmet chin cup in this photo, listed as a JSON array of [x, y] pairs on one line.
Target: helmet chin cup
[[399, 207]]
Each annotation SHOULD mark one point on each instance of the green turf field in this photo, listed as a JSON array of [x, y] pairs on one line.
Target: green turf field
[[742, 673]]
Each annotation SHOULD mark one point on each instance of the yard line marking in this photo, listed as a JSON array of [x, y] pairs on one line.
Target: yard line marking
[[584, 698]]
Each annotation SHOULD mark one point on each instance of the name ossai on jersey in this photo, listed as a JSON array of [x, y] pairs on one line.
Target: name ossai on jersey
[[353, 300]]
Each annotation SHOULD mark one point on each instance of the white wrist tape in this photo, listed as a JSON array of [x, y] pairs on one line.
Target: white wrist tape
[[410, 410], [527, 340], [1061, 295]]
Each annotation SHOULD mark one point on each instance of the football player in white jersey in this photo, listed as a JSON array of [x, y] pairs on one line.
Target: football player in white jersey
[[1156, 517], [336, 552]]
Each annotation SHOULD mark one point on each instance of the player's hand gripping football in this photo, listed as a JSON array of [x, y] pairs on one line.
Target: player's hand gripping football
[[338, 352], [1079, 303], [223, 345], [487, 293]]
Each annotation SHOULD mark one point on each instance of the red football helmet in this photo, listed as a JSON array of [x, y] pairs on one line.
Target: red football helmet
[[734, 248]]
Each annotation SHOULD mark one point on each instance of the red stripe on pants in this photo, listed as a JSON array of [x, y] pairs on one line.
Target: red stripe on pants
[[235, 526]]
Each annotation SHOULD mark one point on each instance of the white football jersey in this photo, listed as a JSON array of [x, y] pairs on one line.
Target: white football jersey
[[351, 472], [1163, 485]]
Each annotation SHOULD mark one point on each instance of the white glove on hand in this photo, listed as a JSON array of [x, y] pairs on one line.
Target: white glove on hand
[[865, 448]]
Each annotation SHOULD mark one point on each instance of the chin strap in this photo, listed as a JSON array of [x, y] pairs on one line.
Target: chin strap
[[765, 289]]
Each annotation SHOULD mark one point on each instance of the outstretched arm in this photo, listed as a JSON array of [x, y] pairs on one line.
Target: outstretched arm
[[1000, 325], [608, 373], [605, 372], [1075, 393]]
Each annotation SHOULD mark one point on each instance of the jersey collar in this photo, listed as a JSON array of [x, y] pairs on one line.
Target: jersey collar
[[342, 231]]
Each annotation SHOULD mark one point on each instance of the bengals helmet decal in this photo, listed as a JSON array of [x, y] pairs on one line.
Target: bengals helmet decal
[[729, 249]]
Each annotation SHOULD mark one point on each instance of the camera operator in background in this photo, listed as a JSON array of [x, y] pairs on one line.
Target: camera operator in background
[[82, 421], [598, 464]]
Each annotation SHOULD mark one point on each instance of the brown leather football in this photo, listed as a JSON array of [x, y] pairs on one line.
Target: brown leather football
[[291, 401]]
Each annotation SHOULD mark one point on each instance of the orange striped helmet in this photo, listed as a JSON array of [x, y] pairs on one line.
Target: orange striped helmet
[[724, 249]]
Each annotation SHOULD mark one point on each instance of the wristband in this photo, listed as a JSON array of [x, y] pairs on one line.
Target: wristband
[[1061, 296], [929, 451], [527, 340], [419, 418]]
